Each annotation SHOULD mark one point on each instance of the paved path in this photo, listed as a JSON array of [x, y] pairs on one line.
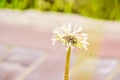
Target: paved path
[[26, 51]]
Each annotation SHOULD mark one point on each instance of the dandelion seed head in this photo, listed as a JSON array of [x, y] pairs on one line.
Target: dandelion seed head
[[71, 36]]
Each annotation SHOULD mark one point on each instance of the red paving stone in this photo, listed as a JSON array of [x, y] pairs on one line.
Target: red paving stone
[[30, 32], [9, 71]]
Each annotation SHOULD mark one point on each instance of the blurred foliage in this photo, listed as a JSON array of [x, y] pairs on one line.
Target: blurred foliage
[[102, 9]]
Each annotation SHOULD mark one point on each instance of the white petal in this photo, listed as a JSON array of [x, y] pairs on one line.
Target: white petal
[[84, 42], [84, 34], [69, 27], [80, 29], [84, 38], [64, 29], [77, 30], [74, 29], [53, 41]]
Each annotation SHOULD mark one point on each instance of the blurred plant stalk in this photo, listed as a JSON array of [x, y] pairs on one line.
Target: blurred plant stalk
[[66, 75], [100, 9]]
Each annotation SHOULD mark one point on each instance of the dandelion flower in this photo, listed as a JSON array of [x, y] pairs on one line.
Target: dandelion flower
[[71, 36]]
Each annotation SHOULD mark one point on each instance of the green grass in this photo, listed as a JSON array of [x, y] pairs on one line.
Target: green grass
[[100, 9]]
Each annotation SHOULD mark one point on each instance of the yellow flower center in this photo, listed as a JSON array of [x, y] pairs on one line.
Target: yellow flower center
[[69, 39]]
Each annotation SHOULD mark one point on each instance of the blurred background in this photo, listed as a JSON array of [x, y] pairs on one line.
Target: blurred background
[[103, 9], [26, 51]]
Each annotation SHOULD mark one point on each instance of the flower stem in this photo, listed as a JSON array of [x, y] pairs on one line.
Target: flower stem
[[66, 75]]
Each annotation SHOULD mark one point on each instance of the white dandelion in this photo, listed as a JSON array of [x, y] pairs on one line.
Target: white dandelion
[[71, 36]]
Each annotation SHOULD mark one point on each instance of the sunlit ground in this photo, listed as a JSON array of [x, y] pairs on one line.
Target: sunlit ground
[[26, 52]]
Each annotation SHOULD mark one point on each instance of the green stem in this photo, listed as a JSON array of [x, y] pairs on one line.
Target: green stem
[[66, 76]]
